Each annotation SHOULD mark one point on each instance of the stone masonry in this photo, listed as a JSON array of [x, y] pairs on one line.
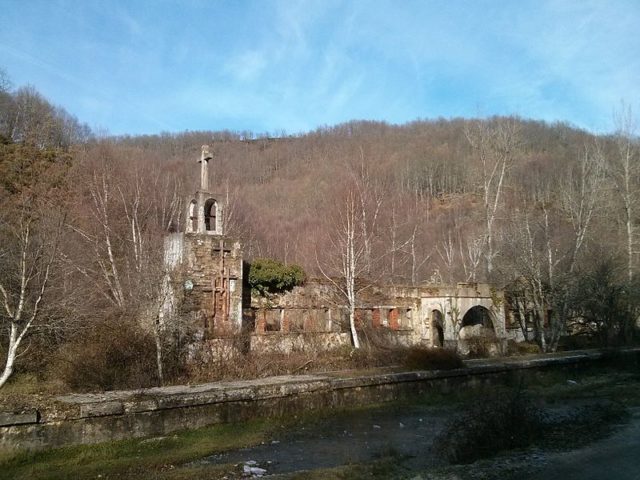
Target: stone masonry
[[204, 267]]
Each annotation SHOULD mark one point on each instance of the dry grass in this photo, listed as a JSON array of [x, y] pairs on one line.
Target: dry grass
[[251, 365], [114, 354], [432, 359]]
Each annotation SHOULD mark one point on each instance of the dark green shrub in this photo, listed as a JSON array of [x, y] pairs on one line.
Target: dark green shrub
[[423, 358], [267, 276]]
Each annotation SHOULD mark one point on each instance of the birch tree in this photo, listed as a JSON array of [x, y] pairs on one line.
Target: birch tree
[[623, 168], [581, 198], [347, 260], [548, 240], [369, 202], [495, 147], [532, 289], [32, 215]]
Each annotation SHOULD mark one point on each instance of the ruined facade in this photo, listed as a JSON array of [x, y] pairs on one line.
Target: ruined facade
[[204, 267], [203, 291], [430, 315]]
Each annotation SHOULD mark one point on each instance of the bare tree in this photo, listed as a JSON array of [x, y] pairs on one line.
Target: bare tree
[[624, 171], [546, 242], [531, 291], [496, 147], [471, 248], [447, 252], [370, 202], [347, 260], [418, 260], [581, 197], [32, 214], [129, 207]]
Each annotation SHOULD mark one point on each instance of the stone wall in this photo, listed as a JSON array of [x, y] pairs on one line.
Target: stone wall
[[205, 282], [402, 315]]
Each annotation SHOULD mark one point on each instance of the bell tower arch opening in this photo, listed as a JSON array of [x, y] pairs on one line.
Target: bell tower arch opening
[[211, 215]]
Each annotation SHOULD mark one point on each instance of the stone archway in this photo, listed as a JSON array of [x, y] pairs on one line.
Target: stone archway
[[478, 321], [477, 315]]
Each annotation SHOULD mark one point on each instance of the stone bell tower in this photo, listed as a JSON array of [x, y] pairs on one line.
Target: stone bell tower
[[206, 264], [204, 211]]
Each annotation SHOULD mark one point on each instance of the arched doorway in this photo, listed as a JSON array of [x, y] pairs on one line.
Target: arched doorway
[[477, 336], [437, 328], [477, 315]]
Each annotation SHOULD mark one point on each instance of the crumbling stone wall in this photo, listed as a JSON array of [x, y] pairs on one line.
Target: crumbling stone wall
[[397, 315], [206, 282], [453, 304]]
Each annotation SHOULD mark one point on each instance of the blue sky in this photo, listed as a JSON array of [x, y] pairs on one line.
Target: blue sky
[[266, 66]]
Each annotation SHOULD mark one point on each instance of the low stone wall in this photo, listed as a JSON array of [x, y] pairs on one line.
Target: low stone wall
[[92, 418]]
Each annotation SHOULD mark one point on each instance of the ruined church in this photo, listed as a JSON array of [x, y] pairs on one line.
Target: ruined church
[[204, 291]]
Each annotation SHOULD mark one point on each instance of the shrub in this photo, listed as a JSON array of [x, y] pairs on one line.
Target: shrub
[[422, 358], [481, 347], [605, 304], [270, 276], [578, 342], [494, 424], [113, 354], [522, 348]]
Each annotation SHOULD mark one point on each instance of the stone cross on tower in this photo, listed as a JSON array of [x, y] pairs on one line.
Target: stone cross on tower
[[204, 168], [204, 213]]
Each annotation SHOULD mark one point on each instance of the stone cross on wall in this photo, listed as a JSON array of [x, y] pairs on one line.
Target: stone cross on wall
[[204, 168]]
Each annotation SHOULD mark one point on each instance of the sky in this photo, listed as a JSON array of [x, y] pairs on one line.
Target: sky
[[145, 67]]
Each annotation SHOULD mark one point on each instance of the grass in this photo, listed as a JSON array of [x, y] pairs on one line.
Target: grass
[[133, 459]]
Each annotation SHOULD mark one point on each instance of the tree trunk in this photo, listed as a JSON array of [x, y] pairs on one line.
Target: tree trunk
[[14, 343], [352, 326]]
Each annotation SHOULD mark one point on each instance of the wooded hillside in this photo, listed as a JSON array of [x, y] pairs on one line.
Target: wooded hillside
[[515, 202]]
